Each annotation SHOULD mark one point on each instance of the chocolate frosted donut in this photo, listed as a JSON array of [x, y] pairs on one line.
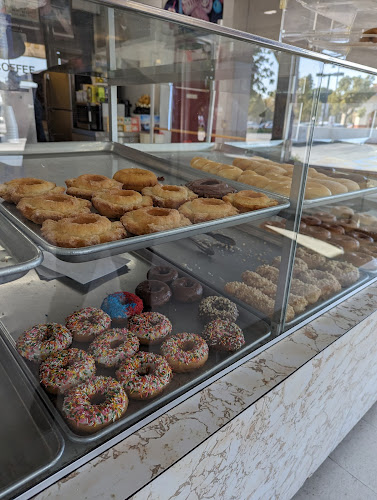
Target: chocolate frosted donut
[[311, 221], [325, 217], [187, 290], [153, 293], [210, 188], [362, 237], [165, 274], [334, 228]]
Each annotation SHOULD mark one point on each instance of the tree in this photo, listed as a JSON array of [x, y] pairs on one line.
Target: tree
[[261, 77], [350, 94]]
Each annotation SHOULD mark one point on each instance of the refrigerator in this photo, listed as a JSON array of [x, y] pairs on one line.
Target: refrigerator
[[58, 101]]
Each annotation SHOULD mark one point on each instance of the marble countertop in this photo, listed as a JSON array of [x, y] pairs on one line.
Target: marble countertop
[[141, 457]]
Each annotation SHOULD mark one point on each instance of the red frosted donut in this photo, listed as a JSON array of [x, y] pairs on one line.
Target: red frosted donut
[[66, 369], [113, 347], [185, 352]]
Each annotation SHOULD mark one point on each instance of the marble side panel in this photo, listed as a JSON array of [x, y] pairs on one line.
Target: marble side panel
[[232, 406]]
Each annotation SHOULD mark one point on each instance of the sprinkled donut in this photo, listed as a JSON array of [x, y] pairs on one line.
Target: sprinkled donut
[[66, 369], [185, 352], [145, 375], [121, 306], [223, 335], [214, 307], [95, 404], [150, 327], [42, 340], [87, 323], [112, 347]]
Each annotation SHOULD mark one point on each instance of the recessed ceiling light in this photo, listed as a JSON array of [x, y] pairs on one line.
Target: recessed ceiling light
[[269, 12]]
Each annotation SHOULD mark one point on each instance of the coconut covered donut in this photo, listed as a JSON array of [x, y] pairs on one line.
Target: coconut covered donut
[[135, 178], [214, 307], [185, 352], [112, 347], [66, 369], [144, 376], [52, 206], [85, 186], [247, 200], [153, 219], [169, 196], [82, 230], [223, 335], [16, 189], [116, 202], [42, 340], [205, 209], [95, 404]]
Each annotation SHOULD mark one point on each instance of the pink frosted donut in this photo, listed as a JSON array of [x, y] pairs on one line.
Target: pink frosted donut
[[42, 340], [113, 347], [150, 327]]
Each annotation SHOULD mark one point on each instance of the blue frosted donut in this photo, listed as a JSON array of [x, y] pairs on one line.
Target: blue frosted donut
[[122, 305]]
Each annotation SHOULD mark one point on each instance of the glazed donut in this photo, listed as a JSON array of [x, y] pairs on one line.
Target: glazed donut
[[316, 190], [87, 323], [253, 179], [247, 200], [334, 228], [150, 327], [145, 375], [364, 219], [16, 189], [346, 242], [325, 217], [223, 335], [169, 196], [152, 219], [342, 211], [165, 274], [135, 178], [153, 293], [82, 231], [185, 352], [345, 272], [42, 340], [95, 404], [210, 188], [349, 224], [361, 237], [334, 186], [87, 185], [205, 209], [116, 202], [52, 206], [310, 220], [266, 170], [229, 172], [358, 259], [215, 307], [209, 166], [187, 290], [317, 232], [198, 162], [121, 305], [349, 184], [112, 347], [66, 369]]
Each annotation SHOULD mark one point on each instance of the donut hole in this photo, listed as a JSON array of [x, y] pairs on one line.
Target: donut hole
[[171, 188], [116, 343], [158, 212], [97, 399], [189, 345], [145, 369]]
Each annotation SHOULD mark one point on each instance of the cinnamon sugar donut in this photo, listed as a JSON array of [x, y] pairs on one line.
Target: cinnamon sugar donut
[[87, 185], [169, 196], [52, 206], [82, 230], [205, 209], [247, 200], [12, 191], [116, 202], [153, 219], [135, 178]]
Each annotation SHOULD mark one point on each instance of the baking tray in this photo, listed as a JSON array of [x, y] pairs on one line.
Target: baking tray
[[17, 253], [57, 164], [249, 253], [29, 442], [184, 318]]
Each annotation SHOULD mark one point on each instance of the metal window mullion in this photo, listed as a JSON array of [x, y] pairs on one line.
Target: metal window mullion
[[112, 91]]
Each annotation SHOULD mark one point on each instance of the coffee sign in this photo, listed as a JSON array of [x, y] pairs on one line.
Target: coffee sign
[[21, 69]]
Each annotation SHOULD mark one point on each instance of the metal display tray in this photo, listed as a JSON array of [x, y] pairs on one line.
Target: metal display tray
[[184, 317], [17, 253], [250, 252], [58, 164], [30, 444]]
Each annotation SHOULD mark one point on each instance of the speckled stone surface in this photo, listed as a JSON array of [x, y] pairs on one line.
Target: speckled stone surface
[[259, 431]]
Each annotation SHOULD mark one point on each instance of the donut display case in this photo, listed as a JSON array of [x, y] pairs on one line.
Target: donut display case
[[183, 197]]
